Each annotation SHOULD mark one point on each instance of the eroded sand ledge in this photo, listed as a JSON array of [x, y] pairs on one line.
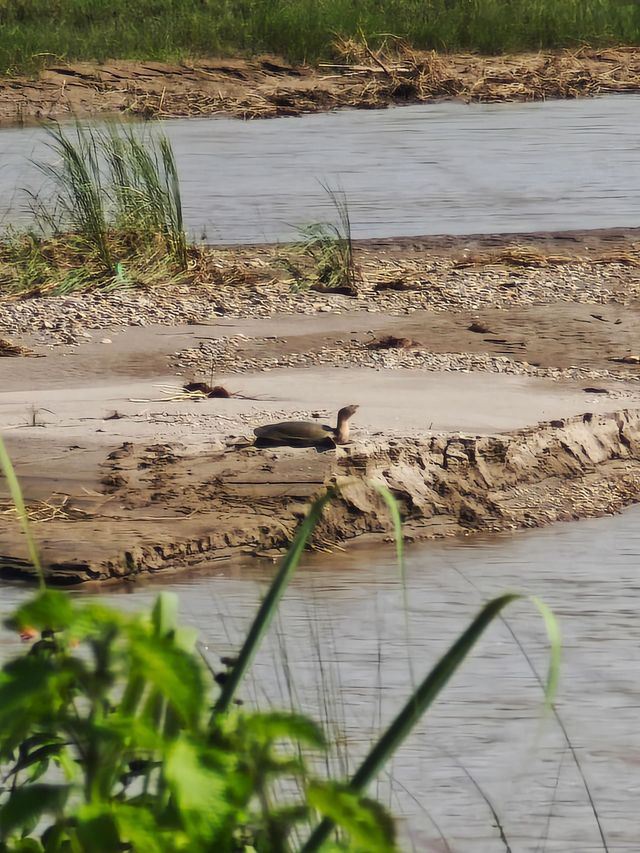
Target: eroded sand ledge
[[250, 502]]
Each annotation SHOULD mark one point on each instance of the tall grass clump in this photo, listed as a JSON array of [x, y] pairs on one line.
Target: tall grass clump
[[116, 735], [324, 256], [110, 215], [145, 190], [297, 29], [77, 203]]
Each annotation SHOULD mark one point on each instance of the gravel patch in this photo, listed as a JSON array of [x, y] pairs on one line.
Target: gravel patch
[[434, 284], [223, 356]]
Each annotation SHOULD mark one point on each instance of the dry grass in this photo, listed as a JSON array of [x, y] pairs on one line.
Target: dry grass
[[397, 72], [525, 256], [626, 259], [32, 265], [53, 509], [11, 350], [514, 256]]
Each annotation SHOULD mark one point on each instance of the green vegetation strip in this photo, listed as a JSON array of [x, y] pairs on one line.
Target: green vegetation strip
[[34, 33]]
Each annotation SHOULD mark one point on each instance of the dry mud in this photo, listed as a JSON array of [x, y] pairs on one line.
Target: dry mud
[[159, 507], [268, 87]]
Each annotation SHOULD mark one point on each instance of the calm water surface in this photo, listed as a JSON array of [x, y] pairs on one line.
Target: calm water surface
[[343, 633], [427, 169]]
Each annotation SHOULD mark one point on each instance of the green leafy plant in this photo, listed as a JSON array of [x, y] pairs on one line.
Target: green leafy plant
[[116, 735], [324, 258], [107, 742]]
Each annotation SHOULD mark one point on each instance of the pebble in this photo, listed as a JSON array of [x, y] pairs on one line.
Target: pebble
[[224, 351]]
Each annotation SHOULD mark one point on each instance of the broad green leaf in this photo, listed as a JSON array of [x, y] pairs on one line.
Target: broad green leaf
[[93, 619], [176, 674], [164, 615], [132, 731], [198, 780], [67, 764], [26, 805], [33, 686], [138, 827], [277, 725], [26, 845], [49, 609], [96, 830], [37, 771], [186, 638], [367, 823], [107, 827], [132, 696]]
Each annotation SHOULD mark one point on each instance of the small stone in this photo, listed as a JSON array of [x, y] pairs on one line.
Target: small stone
[[106, 341]]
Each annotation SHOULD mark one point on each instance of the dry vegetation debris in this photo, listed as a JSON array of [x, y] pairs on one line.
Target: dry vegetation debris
[[360, 77]]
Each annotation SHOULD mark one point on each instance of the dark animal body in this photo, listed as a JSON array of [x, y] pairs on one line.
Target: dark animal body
[[306, 433]]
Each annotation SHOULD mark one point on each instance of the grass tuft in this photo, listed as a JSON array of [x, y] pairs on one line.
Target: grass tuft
[[109, 216], [324, 258]]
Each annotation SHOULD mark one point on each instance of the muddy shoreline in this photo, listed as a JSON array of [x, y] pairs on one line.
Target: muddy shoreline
[[268, 87]]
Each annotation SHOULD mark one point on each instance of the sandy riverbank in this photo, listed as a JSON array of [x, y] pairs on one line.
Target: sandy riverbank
[[518, 425], [497, 379], [267, 87]]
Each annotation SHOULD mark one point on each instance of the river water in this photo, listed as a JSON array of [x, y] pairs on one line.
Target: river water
[[342, 633], [429, 169]]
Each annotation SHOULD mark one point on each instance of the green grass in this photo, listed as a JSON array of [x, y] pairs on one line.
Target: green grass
[[108, 216], [37, 32], [324, 258]]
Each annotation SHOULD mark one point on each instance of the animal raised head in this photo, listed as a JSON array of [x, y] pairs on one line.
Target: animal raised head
[[306, 433], [342, 429]]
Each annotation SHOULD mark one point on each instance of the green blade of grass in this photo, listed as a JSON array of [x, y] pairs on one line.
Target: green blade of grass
[[16, 496], [394, 511], [270, 604], [428, 691]]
